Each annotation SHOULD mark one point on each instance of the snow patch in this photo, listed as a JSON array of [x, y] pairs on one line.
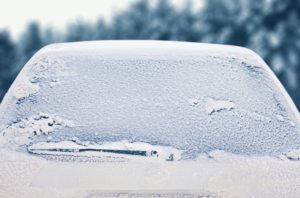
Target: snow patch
[[20, 133], [226, 175], [293, 154], [292, 124], [193, 101], [25, 89], [254, 70], [45, 70], [280, 118], [49, 68], [219, 155], [213, 105], [259, 117]]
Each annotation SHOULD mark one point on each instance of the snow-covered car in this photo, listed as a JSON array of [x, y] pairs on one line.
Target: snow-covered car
[[148, 118]]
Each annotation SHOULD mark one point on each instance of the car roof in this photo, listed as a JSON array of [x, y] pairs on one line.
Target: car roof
[[191, 96]]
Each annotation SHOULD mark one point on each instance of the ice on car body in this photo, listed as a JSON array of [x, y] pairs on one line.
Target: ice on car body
[[196, 98]]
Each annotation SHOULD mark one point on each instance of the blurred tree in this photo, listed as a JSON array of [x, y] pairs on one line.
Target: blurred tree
[[50, 35], [101, 30], [188, 24], [132, 23], [269, 27], [30, 41], [80, 30], [282, 23], [7, 61], [163, 24]]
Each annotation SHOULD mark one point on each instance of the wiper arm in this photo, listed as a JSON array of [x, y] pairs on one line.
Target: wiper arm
[[121, 147], [127, 152]]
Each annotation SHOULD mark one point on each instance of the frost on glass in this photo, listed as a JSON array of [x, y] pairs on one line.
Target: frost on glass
[[190, 98]]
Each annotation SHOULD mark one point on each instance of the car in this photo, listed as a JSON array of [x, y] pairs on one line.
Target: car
[[148, 118]]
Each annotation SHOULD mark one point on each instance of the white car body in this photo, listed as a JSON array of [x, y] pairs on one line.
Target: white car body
[[148, 118]]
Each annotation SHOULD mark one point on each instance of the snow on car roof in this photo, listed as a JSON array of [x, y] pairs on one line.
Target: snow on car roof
[[193, 97]]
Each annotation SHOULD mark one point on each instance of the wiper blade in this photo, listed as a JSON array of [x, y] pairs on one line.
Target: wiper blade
[[112, 148], [127, 152]]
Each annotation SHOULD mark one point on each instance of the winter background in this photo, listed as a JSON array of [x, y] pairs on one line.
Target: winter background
[[269, 27]]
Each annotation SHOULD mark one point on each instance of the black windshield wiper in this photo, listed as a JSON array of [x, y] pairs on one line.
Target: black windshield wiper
[[126, 152]]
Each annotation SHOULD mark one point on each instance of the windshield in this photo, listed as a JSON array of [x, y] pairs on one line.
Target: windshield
[[194, 98]]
